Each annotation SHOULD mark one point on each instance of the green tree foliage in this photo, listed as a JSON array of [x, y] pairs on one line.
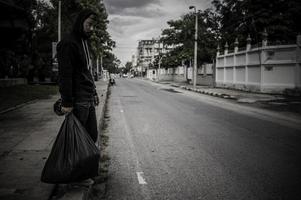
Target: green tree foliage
[[44, 18], [168, 60], [110, 62], [240, 18], [101, 40], [69, 11], [44, 32], [28, 6], [31, 59], [128, 67], [226, 21], [180, 35]]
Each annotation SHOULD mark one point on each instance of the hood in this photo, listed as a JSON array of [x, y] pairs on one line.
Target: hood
[[78, 28]]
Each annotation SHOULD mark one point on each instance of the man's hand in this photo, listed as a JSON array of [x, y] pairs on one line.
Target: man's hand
[[66, 109]]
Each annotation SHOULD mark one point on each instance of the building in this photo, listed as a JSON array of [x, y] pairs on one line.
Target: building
[[146, 52]]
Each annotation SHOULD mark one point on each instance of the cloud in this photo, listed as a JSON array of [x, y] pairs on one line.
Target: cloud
[[130, 3], [121, 7], [119, 24], [151, 11], [122, 21], [134, 20]]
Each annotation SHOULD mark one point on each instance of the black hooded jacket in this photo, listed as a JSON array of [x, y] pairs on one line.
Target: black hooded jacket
[[75, 80]]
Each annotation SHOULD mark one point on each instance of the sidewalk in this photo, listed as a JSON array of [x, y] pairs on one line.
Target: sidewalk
[[274, 102], [26, 137]]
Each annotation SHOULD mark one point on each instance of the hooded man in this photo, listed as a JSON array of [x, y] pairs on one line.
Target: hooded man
[[76, 84]]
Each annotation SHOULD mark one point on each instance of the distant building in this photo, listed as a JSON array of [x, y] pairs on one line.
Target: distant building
[[146, 52]]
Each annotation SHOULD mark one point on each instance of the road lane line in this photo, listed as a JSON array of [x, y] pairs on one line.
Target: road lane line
[[144, 190], [141, 180]]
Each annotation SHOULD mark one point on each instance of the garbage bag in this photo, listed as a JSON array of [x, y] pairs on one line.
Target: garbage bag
[[73, 157]]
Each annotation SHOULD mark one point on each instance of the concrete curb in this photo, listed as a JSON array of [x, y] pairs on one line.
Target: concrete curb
[[102, 112], [210, 93], [202, 91]]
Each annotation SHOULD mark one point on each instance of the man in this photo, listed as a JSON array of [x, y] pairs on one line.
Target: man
[[76, 84]]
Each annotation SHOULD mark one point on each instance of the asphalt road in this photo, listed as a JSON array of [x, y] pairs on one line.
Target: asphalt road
[[166, 144]]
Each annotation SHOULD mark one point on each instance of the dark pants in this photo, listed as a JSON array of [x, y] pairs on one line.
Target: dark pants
[[85, 113]]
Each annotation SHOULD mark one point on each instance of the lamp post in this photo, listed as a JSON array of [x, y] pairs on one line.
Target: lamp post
[[159, 67], [195, 47], [160, 58], [59, 21]]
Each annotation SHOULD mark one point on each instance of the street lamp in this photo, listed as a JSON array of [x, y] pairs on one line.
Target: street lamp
[[195, 47], [160, 58], [59, 21], [159, 63]]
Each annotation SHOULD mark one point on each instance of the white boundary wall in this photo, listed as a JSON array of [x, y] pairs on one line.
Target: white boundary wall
[[270, 69], [182, 74]]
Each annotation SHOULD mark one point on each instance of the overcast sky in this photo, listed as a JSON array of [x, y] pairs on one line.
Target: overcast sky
[[134, 20]]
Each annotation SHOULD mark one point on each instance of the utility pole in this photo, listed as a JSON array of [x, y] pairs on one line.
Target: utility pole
[[195, 47], [159, 67], [101, 66], [59, 21], [160, 57], [97, 67]]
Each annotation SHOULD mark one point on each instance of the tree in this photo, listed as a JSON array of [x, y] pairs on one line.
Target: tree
[[101, 39], [181, 36], [69, 11], [241, 18], [44, 31], [110, 62], [128, 67], [23, 47]]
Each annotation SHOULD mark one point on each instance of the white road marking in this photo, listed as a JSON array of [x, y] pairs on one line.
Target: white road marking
[[141, 179], [121, 111]]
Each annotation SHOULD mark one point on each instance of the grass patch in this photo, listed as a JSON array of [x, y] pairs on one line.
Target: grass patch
[[104, 139], [16, 95]]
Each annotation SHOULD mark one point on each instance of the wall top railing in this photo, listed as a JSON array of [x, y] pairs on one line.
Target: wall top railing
[[263, 45]]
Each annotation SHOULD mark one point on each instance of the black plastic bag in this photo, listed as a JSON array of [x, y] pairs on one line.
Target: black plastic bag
[[73, 157]]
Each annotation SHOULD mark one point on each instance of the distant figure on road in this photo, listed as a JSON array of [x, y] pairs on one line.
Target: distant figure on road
[[76, 84], [112, 80]]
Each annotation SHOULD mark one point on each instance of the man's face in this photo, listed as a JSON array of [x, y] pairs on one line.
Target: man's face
[[88, 25]]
